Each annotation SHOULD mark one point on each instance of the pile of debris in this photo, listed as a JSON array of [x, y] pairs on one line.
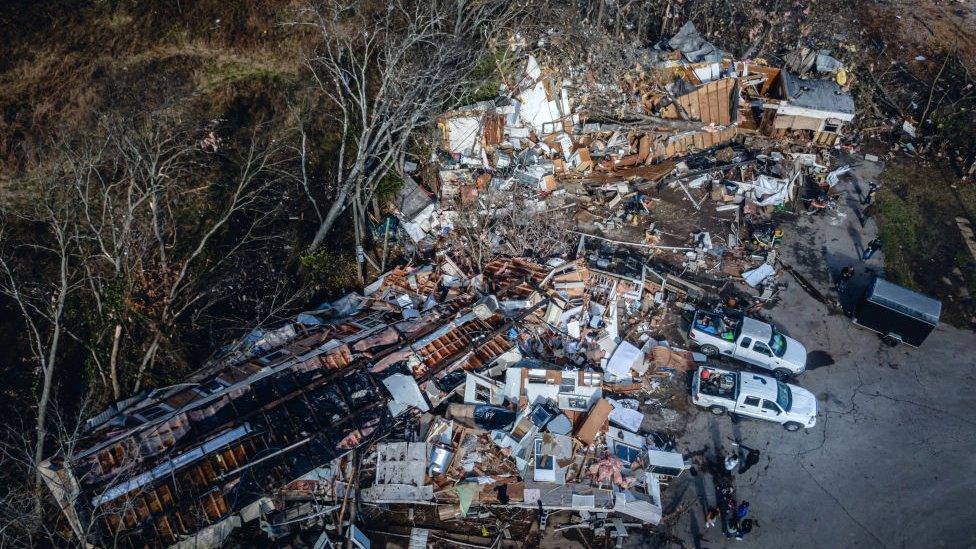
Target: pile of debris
[[471, 382], [688, 127], [514, 387]]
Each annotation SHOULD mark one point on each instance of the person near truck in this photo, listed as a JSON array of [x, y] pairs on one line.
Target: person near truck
[[744, 527], [742, 510], [870, 250], [711, 516], [846, 274], [751, 457], [731, 462]]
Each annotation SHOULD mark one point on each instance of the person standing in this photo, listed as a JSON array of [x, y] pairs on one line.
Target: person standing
[[869, 197], [732, 529], [846, 274], [752, 458], [711, 516], [745, 526], [742, 510], [871, 249], [731, 462]]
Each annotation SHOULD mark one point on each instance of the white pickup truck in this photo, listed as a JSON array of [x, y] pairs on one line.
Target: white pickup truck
[[753, 395], [748, 340]]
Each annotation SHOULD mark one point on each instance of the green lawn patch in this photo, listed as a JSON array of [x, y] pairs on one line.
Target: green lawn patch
[[916, 211]]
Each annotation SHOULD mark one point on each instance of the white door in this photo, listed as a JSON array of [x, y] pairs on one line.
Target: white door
[[744, 349], [750, 406], [766, 355], [759, 354], [770, 410]]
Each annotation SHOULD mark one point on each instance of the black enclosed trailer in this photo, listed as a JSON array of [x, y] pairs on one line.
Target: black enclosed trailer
[[897, 313]]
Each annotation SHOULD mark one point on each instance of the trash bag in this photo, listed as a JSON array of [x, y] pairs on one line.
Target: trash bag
[[493, 418], [451, 381]]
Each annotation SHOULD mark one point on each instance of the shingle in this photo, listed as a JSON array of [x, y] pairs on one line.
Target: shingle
[[820, 95]]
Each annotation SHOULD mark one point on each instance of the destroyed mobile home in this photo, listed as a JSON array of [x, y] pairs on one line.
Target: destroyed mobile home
[[520, 378], [201, 457]]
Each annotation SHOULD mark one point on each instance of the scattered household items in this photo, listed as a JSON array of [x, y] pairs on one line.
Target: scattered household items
[[898, 314]]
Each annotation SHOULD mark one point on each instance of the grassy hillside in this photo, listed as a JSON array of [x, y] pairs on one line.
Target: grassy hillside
[[62, 63]]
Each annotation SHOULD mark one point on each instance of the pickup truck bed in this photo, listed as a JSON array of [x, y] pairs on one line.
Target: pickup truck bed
[[748, 340]]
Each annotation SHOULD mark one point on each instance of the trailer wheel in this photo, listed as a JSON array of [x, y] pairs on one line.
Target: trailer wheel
[[792, 426], [709, 350], [782, 374], [716, 409], [889, 341]]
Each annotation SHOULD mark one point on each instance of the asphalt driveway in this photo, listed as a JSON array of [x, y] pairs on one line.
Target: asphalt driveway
[[892, 459]]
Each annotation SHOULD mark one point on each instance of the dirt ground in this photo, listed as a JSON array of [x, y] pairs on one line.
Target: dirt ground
[[936, 25]]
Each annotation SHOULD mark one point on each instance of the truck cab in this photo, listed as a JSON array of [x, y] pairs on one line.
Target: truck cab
[[748, 340], [754, 395]]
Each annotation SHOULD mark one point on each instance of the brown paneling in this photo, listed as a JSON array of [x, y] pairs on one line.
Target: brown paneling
[[709, 103]]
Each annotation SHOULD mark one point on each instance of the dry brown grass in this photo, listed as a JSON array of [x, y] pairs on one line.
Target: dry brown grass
[[192, 57]]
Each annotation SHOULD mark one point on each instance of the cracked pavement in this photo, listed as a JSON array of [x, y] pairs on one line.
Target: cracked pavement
[[891, 460]]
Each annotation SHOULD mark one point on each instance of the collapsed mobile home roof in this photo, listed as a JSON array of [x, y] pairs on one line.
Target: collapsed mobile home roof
[[817, 95]]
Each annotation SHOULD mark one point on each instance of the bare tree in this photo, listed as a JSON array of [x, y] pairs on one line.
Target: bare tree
[[156, 216], [506, 220], [42, 295], [25, 510], [386, 73], [141, 221]]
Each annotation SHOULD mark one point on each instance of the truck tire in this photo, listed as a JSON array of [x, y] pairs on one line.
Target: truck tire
[[782, 374], [709, 350], [792, 426], [716, 409]]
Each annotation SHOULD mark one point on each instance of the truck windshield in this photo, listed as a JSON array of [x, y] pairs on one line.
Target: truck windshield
[[778, 344], [783, 396]]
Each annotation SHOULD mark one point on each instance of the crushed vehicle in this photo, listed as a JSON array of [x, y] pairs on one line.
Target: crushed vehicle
[[897, 313], [753, 395], [748, 340]]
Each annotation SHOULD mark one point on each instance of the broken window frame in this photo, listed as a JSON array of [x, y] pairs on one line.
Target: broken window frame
[[832, 125], [211, 387], [625, 451], [579, 404], [537, 375], [592, 378], [548, 463], [567, 383], [153, 412], [274, 356], [482, 393]]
